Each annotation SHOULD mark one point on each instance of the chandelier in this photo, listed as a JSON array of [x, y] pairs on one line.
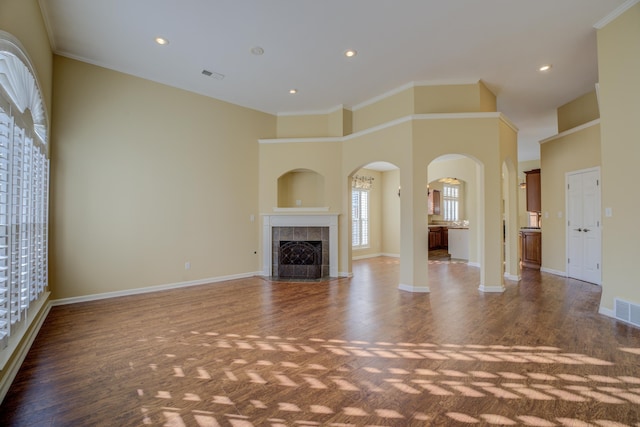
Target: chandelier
[[362, 182], [450, 181]]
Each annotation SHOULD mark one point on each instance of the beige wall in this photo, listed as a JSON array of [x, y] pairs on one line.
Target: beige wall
[[391, 213], [577, 112], [461, 98], [619, 68], [382, 111], [558, 156], [425, 99], [340, 122], [303, 126], [488, 100], [145, 178]]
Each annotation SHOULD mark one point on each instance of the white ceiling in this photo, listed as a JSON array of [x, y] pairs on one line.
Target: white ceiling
[[502, 42]]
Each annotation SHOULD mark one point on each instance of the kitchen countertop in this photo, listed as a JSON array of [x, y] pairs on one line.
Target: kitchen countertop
[[531, 229]]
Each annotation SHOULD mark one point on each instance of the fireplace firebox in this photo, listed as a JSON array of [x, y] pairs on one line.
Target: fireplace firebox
[[300, 259]]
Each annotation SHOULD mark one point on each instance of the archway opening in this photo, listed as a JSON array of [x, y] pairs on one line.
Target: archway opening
[[453, 216], [374, 210]]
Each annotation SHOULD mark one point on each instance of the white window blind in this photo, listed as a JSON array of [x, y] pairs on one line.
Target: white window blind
[[450, 202], [24, 184], [359, 218]]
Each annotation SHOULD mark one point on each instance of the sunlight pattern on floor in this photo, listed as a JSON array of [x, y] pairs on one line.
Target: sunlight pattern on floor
[[227, 389]]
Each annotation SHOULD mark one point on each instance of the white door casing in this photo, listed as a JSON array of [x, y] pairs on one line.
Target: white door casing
[[584, 251]]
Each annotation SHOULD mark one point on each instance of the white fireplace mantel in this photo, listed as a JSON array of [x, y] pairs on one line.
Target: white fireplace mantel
[[299, 220]]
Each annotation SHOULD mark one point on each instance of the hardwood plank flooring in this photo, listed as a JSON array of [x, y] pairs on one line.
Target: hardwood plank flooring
[[345, 352]]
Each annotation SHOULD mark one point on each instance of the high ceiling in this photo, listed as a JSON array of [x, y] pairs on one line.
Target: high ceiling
[[501, 42]]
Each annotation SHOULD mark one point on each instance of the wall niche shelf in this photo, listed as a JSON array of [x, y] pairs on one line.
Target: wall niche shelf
[[302, 210]]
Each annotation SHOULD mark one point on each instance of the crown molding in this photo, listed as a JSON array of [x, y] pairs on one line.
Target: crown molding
[[616, 13], [44, 11]]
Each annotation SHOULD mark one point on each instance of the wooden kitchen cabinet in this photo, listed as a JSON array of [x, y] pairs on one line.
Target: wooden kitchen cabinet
[[438, 238], [534, 203], [531, 249], [434, 202], [434, 238]]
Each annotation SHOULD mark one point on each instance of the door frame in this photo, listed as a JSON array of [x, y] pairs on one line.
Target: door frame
[[566, 201]]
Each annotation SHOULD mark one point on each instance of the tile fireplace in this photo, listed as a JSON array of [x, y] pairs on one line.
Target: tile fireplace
[[303, 246]]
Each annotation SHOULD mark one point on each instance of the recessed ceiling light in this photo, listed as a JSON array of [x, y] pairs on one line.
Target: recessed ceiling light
[[350, 53], [162, 41], [545, 67], [293, 91], [257, 50]]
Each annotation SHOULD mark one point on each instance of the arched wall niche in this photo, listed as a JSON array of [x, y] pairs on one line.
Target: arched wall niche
[[301, 188], [18, 83]]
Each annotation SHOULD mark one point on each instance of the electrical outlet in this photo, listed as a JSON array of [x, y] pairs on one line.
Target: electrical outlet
[[187, 265]]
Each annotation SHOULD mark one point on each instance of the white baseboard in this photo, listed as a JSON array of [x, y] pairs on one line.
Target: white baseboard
[[513, 277], [345, 274], [491, 289], [391, 255], [473, 264], [137, 291], [607, 312], [552, 271], [415, 289], [367, 256]]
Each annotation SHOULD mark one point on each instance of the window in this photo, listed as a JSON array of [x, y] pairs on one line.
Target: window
[[359, 218], [450, 202], [24, 192]]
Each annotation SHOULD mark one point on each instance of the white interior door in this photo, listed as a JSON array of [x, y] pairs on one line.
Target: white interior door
[[583, 226]]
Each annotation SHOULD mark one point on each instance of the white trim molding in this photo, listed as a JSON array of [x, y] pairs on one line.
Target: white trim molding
[[491, 289], [414, 289], [149, 289], [552, 271], [513, 277], [607, 312], [616, 13], [571, 131], [390, 93], [392, 123]]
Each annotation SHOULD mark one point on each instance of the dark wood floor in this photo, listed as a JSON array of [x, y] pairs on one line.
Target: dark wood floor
[[347, 352]]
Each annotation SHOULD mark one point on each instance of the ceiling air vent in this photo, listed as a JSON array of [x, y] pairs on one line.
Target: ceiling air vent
[[213, 74]]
